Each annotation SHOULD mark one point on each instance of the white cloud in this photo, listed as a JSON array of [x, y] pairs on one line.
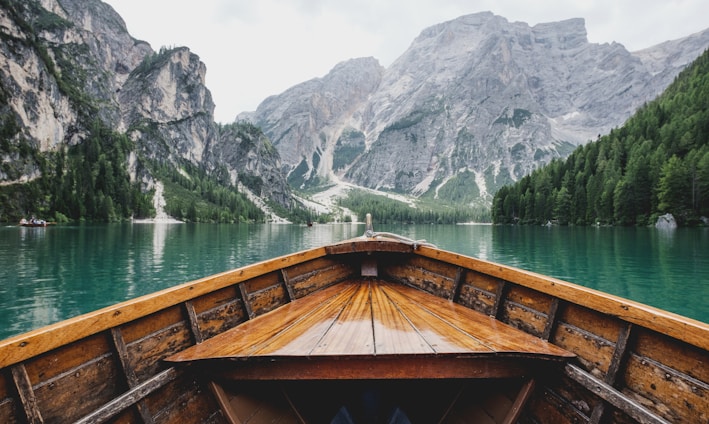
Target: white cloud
[[254, 49]]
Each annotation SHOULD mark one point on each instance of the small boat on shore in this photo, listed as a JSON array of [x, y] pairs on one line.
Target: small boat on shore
[[34, 223], [373, 329]]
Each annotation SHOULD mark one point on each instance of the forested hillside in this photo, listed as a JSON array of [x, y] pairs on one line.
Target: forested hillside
[[657, 163], [92, 120]]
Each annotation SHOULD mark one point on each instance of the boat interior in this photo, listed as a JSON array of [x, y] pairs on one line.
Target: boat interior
[[484, 401], [371, 351]]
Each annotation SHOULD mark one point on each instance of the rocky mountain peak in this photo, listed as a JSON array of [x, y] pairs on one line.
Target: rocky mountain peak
[[69, 68], [472, 104]]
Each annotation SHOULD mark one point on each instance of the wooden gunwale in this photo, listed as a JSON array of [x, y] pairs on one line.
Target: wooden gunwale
[[21, 347], [674, 325], [24, 346], [632, 319]]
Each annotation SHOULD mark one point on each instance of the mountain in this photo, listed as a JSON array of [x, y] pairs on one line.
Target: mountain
[[473, 104], [656, 164], [69, 71]]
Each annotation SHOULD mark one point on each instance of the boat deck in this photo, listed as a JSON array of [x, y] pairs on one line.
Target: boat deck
[[362, 328]]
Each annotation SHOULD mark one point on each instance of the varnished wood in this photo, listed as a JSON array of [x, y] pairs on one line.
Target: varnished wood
[[24, 389], [382, 367], [551, 319], [677, 326], [194, 322], [129, 398], [369, 317], [457, 282], [288, 286], [521, 399], [129, 371], [224, 403], [613, 396], [314, 317], [371, 329], [21, 347], [499, 299]]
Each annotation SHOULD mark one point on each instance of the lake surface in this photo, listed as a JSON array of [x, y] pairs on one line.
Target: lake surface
[[50, 274]]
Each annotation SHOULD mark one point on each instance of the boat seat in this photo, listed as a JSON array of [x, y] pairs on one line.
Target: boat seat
[[371, 329]]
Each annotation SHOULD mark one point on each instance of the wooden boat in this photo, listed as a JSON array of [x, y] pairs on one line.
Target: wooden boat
[[35, 223], [373, 329]]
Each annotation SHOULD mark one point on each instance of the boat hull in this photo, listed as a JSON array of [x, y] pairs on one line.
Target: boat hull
[[633, 363]]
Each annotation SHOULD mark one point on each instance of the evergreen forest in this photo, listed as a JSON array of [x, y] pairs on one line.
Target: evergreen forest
[[657, 163], [389, 211], [90, 181]]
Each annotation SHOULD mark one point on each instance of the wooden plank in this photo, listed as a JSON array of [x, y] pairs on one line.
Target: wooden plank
[[123, 357], [550, 326], [306, 334], [129, 398], [246, 303], [368, 245], [682, 328], [287, 285], [457, 282], [27, 396], [619, 354], [68, 358], [129, 372], [268, 299], [613, 396], [487, 330], [592, 351], [194, 322], [355, 318], [79, 390], [379, 367], [351, 333], [522, 317], [678, 397], [499, 299], [528, 298], [146, 354], [617, 360], [680, 356], [394, 333], [222, 318], [257, 335], [521, 400], [224, 404], [315, 280], [439, 334], [429, 280]]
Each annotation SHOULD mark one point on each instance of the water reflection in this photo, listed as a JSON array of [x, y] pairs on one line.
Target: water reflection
[[49, 274]]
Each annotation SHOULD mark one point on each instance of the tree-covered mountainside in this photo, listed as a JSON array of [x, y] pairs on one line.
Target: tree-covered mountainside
[[92, 120], [391, 211], [657, 163]]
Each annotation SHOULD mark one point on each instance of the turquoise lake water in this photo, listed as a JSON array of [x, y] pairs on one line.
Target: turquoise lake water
[[50, 274]]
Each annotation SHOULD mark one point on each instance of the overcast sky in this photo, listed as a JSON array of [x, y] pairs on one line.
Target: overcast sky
[[257, 48]]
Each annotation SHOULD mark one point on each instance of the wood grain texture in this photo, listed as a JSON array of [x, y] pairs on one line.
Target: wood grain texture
[[369, 318], [677, 326]]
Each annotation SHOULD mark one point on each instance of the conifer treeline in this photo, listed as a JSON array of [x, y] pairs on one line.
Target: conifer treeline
[[657, 163]]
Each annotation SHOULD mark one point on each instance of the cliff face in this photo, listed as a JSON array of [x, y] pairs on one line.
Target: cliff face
[[65, 64], [473, 104]]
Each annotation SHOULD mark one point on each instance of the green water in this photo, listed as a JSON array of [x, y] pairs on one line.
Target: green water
[[50, 274]]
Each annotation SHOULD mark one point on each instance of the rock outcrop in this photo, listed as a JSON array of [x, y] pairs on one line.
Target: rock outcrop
[[473, 104], [666, 222], [66, 65]]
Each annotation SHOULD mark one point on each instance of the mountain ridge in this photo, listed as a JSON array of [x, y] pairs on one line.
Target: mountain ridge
[[69, 70], [476, 101]]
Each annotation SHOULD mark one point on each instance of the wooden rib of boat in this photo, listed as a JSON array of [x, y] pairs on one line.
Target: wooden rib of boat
[[373, 329]]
